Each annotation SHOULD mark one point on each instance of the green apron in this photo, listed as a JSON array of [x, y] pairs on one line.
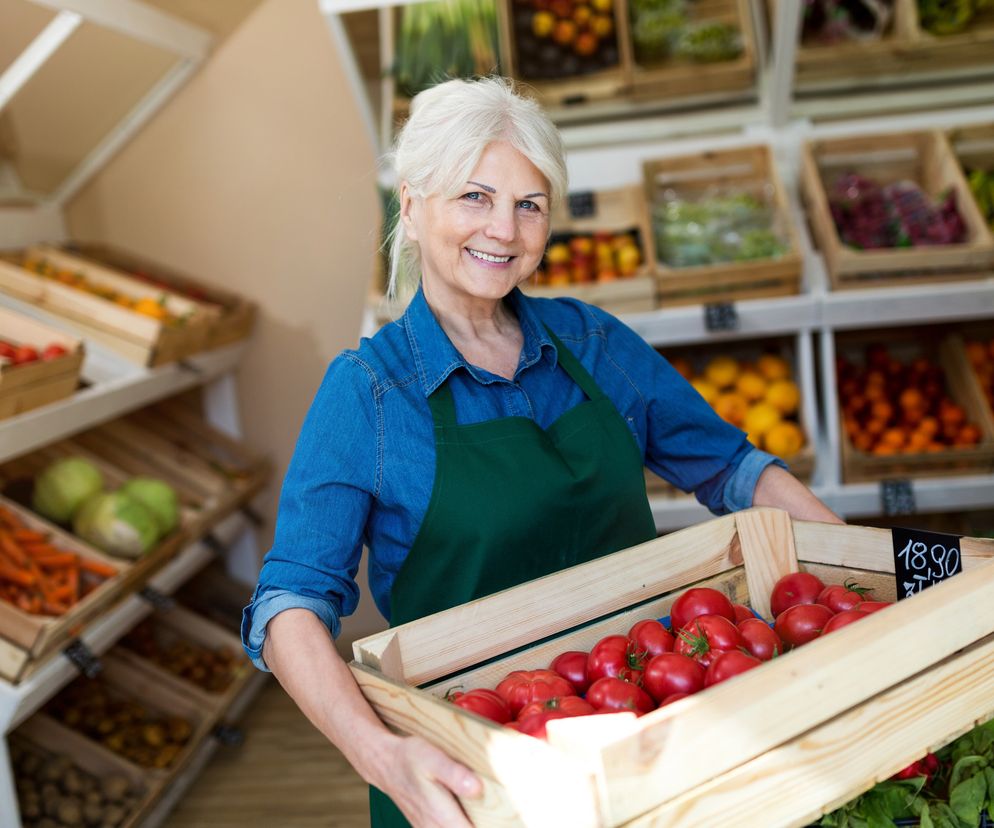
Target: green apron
[[512, 502]]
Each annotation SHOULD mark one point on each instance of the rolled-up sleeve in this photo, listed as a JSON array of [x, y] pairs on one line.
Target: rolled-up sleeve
[[324, 505]]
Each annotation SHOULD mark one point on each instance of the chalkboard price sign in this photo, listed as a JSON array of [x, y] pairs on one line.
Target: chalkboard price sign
[[582, 204], [922, 559]]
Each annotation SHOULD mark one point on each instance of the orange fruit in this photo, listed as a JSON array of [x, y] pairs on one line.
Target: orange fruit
[[706, 389], [723, 371], [731, 407], [875, 427], [929, 426], [751, 385], [976, 352], [882, 410], [884, 450], [784, 396], [683, 367], [760, 418], [863, 441], [893, 437], [969, 435], [773, 367], [784, 439]]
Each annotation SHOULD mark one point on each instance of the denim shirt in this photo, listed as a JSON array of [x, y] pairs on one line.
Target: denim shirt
[[364, 465]]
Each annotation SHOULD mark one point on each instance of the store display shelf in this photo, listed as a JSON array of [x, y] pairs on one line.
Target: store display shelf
[[203, 754], [17, 702], [931, 494]]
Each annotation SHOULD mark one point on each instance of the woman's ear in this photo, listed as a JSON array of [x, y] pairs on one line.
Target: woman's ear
[[406, 199]]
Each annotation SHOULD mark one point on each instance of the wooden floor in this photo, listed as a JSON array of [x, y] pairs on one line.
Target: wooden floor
[[285, 775]]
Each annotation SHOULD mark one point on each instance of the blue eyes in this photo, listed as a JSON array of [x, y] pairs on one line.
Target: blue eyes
[[477, 196]]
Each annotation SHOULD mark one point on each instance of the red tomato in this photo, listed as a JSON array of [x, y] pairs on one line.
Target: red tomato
[[616, 694], [53, 351], [671, 673], [572, 666], [759, 639], [801, 623], [841, 598], [25, 353], [673, 698], [524, 686], [703, 637], [795, 588], [697, 602], [484, 703], [615, 656], [742, 613], [534, 724], [7, 350], [727, 665], [874, 606], [843, 619], [651, 638]]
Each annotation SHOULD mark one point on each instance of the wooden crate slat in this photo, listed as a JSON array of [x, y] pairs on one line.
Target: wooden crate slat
[[767, 542]]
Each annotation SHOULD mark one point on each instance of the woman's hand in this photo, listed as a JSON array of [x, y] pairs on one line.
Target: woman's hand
[[779, 488], [422, 782]]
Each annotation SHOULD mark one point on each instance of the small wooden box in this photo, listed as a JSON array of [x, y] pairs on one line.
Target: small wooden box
[[858, 466], [974, 149], [137, 337], [793, 724], [28, 386], [233, 317], [680, 78], [747, 169], [615, 211], [568, 91], [925, 158], [25, 638]]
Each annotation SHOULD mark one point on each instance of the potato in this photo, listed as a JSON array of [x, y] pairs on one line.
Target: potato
[[116, 788], [70, 812]]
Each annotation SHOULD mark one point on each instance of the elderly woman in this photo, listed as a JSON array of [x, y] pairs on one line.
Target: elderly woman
[[482, 440]]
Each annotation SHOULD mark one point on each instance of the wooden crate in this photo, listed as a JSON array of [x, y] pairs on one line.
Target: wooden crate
[[748, 169], [925, 158], [681, 78], [613, 211], [604, 84], [138, 338], [180, 624], [233, 316], [26, 638], [619, 770], [860, 466], [974, 149], [28, 386]]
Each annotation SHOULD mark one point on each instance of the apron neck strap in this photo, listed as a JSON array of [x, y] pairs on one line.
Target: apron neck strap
[[443, 407]]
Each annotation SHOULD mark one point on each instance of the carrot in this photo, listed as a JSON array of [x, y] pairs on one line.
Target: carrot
[[53, 608], [34, 548], [12, 550], [95, 567], [16, 576], [63, 594], [56, 560], [23, 536]]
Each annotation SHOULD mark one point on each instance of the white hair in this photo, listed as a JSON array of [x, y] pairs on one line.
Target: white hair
[[450, 126]]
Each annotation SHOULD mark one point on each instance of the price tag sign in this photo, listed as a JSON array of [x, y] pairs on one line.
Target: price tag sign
[[215, 546], [922, 559], [721, 316], [582, 204], [83, 658], [159, 600], [229, 735], [897, 497]]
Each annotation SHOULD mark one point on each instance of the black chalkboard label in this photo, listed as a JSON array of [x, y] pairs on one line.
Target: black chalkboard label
[[83, 658], [582, 204], [922, 559], [721, 316], [897, 497], [158, 600]]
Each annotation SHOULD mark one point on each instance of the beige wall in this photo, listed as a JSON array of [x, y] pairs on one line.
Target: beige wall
[[258, 176]]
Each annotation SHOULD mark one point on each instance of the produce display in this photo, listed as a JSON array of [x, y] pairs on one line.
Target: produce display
[[664, 30], [210, 669], [980, 352], [869, 216], [715, 227], [444, 39], [578, 258], [761, 398], [982, 186], [709, 640], [126, 522], [122, 725], [564, 38], [946, 17], [38, 576], [54, 792], [951, 788], [21, 353], [891, 407], [151, 306], [839, 21]]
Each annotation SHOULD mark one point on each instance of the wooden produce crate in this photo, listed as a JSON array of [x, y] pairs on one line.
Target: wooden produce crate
[[50, 741], [677, 77], [926, 159], [603, 84], [30, 385], [176, 634], [906, 345], [26, 638], [137, 337], [974, 148], [656, 770], [618, 211], [750, 170], [233, 316]]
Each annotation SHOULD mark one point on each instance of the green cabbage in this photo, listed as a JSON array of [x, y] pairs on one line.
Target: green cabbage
[[158, 497], [117, 524], [63, 486]]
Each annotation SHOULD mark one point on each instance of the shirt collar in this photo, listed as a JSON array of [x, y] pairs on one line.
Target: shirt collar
[[436, 357]]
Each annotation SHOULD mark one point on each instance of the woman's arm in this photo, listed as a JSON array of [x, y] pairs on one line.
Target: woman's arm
[[417, 776], [779, 488]]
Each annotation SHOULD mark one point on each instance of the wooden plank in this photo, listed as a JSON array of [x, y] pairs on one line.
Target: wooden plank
[[470, 633], [768, 551]]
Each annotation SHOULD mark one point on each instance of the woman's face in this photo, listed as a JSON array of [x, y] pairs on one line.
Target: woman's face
[[488, 238]]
